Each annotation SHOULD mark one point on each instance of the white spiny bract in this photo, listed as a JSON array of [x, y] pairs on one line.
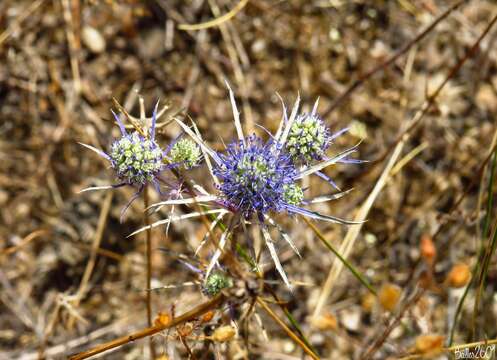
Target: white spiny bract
[[256, 179]]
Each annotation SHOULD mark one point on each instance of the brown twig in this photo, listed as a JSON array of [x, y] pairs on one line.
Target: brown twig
[[23, 242], [357, 83], [215, 22], [73, 45], [24, 15], [152, 330]]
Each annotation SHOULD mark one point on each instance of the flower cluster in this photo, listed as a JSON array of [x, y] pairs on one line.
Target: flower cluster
[[185, 153], [308, 139], [138, 160], [254, 176], [257, 177], [135, 159]]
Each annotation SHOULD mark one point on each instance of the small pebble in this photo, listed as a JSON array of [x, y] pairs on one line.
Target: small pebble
[[93, 39], [351, 319]]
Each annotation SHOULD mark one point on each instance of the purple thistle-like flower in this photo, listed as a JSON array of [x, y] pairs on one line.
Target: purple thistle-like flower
[[254, 176]]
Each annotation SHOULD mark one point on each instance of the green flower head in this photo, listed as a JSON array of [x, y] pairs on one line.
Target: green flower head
[[308, 139], [293, 194], [216, 282], [186, 153], [136, 159]]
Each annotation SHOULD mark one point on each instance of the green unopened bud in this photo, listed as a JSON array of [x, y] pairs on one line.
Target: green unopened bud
[[308, 138], [186, 152], [135, 159], [216, 282], [293, 194]]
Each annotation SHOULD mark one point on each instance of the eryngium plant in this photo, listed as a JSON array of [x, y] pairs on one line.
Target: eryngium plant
[[138, 160], [255, 179]]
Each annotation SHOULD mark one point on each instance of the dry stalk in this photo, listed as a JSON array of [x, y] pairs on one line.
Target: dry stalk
[[102, 220], [149, 266], [73, 45], [393, 324], [34, 235], [215, 22], [23, 16], [290, 333]]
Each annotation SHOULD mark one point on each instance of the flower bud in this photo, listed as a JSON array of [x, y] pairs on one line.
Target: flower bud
[[186, 153], [293, 194], [308, 138], [207, 316], [389, 296], [428, 249], [162, 319], [429, 343], [136, 159], [216, 282]]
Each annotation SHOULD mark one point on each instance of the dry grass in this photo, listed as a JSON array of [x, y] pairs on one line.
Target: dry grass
[[65, 258]]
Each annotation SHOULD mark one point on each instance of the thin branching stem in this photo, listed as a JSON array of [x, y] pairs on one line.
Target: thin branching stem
[[486, 254], [149, 266], [368, 354]]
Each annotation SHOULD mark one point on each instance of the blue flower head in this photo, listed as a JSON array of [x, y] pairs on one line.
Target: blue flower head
[[254, 176], [308, 139]]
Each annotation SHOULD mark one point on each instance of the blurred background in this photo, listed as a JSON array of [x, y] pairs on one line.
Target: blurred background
[[63, 61]]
